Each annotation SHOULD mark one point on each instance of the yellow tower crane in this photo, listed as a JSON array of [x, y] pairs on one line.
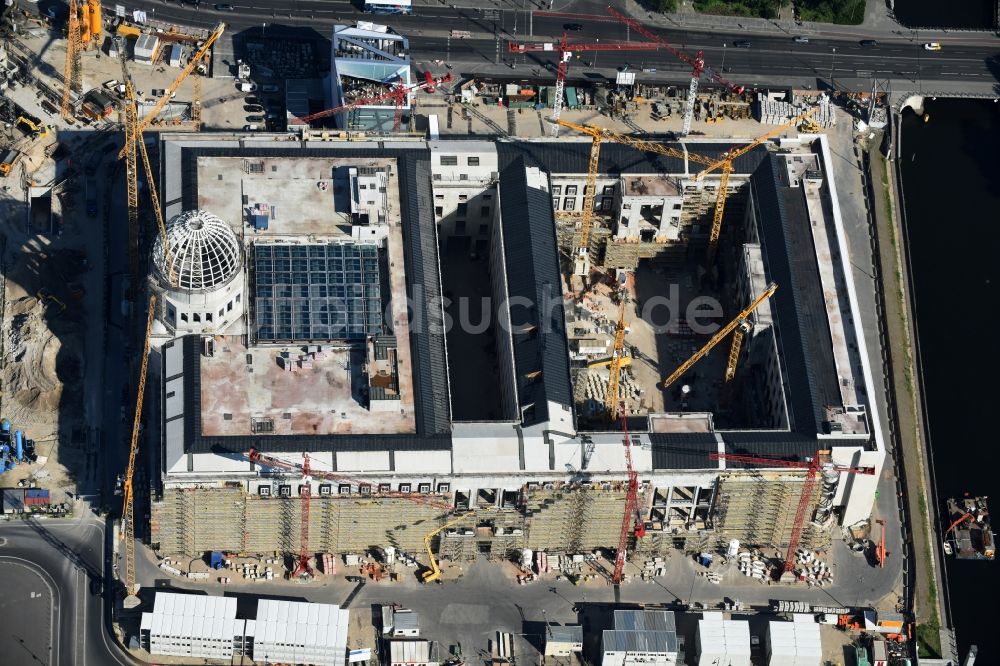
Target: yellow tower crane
[[71, 72], [139, 145], [168, 93], [725, 165], [435, 571], [127, 527], [615, 366], [720, 335]]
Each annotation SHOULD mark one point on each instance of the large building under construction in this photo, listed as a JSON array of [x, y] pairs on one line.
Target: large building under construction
[[402, 318]]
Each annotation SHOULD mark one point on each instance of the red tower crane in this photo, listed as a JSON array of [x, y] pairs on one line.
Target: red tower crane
[[812, 467], [302, 568], [565, 50], [697, 63], [631, 506], [398, 93]]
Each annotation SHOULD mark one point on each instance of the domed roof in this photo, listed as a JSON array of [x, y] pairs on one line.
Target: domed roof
[[204, 252]]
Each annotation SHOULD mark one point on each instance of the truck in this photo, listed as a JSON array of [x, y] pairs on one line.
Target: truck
[[7, 160], [91, 197], [245, 86]]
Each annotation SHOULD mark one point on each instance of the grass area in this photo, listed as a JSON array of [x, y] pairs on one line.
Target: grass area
[[928, 636], [763, 8], [844, 12]]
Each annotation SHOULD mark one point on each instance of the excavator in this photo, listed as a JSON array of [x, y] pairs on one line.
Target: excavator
[[880, 551]]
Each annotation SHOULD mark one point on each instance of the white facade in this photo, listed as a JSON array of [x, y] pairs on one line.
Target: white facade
[[722, 642], [649, 209], [189, 625], [645, 637], [300, 633], [412, 653], [794, 643]]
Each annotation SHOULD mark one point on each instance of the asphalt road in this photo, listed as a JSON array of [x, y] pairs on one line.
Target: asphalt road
[[68, 558], [771, 59]]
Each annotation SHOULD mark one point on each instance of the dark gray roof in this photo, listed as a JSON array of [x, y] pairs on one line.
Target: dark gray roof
[[531, 258], [574, 157], [803, 331], [683, 450], [430, 374]]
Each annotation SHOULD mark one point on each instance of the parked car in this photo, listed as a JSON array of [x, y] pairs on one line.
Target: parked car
[[253, 108], [225, 7], [573, 26], [801, 39], [255, 119], [251, 100], [269, 87], [251, 128], [932, 46], [869, 43], [742, 44]]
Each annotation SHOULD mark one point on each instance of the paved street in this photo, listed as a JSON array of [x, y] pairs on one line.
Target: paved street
[[967, 60], [65, 558]]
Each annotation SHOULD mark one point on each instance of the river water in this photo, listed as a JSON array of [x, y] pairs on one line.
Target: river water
[[949, 169], [977, 14]]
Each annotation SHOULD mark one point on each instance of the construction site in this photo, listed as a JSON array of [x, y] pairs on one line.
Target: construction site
[[616, 329]]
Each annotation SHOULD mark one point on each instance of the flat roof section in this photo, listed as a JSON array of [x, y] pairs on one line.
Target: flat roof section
[[306, 195], [295, 390]]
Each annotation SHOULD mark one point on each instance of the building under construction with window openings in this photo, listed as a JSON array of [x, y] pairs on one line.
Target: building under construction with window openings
[[403, 318]]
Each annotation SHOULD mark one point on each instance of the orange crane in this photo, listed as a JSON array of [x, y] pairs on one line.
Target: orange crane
[[812, 468], [631, 507], [697, 63], [565, 50], [398, 93], [127, 527]]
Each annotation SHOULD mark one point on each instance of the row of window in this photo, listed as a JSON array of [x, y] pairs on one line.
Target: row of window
[[452, 160], [196, 317], [363, 489], [569, 203], [463, 210], [608, 190]]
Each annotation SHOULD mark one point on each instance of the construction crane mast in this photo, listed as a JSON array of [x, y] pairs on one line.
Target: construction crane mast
[[398, 93], [127, 526], [697, 63], [812, 468], [615, 366], [719, 336], [565, 51], [71, 72], [631, 506]]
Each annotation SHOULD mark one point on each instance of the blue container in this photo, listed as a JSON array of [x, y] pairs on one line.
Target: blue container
[[216, 560], [5, 426], [19, 445]]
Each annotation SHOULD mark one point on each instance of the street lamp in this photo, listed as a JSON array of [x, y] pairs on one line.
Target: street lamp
[[723, 57], [833, 61], [596, 41]]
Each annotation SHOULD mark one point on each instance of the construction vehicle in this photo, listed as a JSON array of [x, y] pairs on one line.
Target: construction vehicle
[[169, 92], [631, 506], [7, 161], [434, 573], [565, 51], [812, 467], [398, 93], [880, 551], [127, 528], [719, 336], [33, 125], [697, 64]]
